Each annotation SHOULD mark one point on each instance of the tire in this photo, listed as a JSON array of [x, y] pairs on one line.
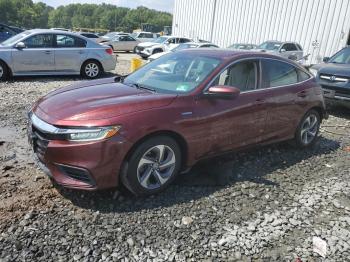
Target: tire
[[308, 128], [135, 50], [144, 174], [4, 72], [91, 69]]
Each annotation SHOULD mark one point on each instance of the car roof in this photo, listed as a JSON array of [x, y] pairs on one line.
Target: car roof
[[228, 54]]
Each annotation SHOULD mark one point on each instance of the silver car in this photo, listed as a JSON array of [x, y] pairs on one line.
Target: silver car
[[51, 52], [123, 43], [290, 50]]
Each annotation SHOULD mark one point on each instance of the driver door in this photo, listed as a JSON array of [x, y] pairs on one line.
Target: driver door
[[37, 57], [225, 124]]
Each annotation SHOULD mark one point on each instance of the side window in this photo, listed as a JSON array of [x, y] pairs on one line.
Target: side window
[[142, 35], [149, 35], [128, 38], [302, 76], [67, 41], [172, 41], [299, 47], [242, 75], [39, 41], [289, 47], [279, 73], [184, 40]]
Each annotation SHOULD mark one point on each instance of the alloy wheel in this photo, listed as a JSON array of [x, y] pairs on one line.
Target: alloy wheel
[[156, 167], [309, 129], [92, 70]]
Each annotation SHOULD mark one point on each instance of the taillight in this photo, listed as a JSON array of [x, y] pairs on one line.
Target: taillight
[[109, 51]]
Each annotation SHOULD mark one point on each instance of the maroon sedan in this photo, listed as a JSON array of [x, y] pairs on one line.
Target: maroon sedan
[[143, 130]]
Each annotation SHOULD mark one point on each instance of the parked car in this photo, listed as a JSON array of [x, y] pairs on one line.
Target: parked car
[[7, 31], [182, 47], [334, 77], [144, 36], [143, 130], [51, 52], [161, 44], [111, 35], [91, 36], [242, 46], [123, 43], [290, 50]]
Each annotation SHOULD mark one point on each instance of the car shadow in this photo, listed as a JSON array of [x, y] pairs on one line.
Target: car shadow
[[341, 112], [204, 179]]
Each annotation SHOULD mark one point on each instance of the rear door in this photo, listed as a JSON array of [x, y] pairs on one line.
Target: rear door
[[37, 57], [70, 52], [127, 43], [285, 96]]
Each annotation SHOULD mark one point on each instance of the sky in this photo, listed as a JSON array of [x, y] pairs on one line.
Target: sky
[[162, 5]]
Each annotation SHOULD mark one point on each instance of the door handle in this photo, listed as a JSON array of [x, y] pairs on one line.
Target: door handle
[[48, 52], [260, 101], [81, 52]]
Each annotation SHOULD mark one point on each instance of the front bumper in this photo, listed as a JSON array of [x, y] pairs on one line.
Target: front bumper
[[80, 165], [336, 96]]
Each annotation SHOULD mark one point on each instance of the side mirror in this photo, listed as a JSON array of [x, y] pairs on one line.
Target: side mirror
[[326, 59], [20, 45], [227, 92], [283, 50]]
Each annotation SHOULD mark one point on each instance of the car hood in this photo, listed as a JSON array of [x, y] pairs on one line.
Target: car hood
[[97, 100], [333, 69], [148, 44]]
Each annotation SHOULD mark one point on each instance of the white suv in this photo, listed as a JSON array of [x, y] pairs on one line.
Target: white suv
[[144, 36], [161, 44]]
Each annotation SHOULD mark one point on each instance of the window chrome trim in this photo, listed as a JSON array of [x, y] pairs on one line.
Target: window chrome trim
[[260, 58]]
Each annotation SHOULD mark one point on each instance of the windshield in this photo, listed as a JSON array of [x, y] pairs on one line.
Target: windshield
[[184, 46], [13, 40], [270, 46], [174, 73], [160, 40], [342, 57]]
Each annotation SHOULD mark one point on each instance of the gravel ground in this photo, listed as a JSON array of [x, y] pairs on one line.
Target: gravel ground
[[263, 205]]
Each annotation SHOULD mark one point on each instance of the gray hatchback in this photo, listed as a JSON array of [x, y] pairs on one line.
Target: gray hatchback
[[53, 52]]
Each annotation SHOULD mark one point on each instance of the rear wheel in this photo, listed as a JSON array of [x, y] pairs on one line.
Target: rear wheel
[[3, 71], [308, 129], [152, 166], [91, 69]]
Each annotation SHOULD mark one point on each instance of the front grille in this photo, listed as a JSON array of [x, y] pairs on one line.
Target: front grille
[[39, 145], [334, 78], [77, 174]]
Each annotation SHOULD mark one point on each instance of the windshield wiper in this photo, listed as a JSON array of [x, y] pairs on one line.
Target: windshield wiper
[[139, 86]]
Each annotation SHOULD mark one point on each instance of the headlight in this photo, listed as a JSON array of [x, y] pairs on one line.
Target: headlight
[[313, 71], [74, 134], [85, 135]]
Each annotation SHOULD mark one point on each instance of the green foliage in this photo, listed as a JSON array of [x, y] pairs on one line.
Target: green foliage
[[25, 13]]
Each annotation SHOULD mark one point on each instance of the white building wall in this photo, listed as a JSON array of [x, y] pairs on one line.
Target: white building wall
[[321, 26]]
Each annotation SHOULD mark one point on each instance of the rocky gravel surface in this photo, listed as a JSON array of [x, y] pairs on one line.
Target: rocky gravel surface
[[267, 204]]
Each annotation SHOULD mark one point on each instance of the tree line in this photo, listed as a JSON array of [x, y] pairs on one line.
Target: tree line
[[26, 14]]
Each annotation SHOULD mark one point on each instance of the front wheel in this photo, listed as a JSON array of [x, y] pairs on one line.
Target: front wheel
[[3, 71], [308, 129], [152, 166], [91, 70]]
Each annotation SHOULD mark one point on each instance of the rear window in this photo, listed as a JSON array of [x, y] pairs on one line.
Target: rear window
[[68, 41], [278, 73]]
